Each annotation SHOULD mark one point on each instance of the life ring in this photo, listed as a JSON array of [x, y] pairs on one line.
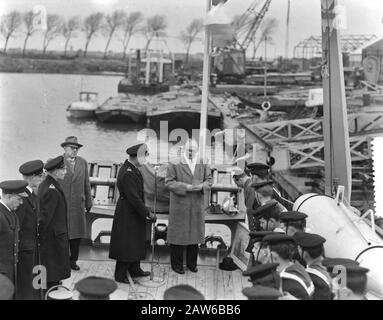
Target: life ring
[[266, 105]]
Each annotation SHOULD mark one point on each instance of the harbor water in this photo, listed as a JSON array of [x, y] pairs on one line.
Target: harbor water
[[33, 120], [33, 124]]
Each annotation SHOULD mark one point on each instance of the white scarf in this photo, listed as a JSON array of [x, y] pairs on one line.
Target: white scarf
[[191, 163]]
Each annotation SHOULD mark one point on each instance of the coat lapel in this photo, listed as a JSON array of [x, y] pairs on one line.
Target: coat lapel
[[186, 168], [76, 170], [50, 181], [31, 200], [74, 173], [8, 216]]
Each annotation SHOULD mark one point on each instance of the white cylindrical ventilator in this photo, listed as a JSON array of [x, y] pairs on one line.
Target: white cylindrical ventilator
[[347, 236]]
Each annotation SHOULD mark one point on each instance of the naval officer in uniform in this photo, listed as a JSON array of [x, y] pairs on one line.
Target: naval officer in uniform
[[53, 224], [295, 278], [13, 192], [28, 214], [128, 238], [312, 250], [294, 221]]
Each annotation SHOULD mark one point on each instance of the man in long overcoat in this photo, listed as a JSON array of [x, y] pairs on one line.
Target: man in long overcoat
[[128, 238], [53, 224], [188, 181], [13, 192], [28, 214], [76, 188]]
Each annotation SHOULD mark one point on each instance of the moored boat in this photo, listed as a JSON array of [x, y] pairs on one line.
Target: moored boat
[[85, 107], [127, 86], [123, 109], [181, 110]]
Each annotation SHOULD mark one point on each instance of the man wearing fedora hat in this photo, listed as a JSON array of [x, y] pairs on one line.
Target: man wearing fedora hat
[[76, 188]]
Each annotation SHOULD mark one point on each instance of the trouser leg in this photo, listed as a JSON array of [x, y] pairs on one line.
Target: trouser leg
[[25, 275], [191, 256], [74, 249], [120, 273], [176, 256], [134, 267]]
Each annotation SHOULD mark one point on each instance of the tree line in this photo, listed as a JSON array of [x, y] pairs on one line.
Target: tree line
[[119, 24]]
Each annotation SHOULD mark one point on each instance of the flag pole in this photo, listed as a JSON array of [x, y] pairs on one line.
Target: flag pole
[[205, 87]]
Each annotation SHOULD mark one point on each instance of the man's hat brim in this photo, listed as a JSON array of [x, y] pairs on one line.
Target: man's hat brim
[[64, 144]]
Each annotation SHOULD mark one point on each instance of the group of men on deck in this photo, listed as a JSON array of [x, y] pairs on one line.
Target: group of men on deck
[[187, 180], [287, 261], [42, 220]]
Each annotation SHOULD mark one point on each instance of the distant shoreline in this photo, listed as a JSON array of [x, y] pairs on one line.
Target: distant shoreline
[[58, 65], [108, 74]]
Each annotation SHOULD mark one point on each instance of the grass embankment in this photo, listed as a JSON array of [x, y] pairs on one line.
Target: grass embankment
[[51, 64]]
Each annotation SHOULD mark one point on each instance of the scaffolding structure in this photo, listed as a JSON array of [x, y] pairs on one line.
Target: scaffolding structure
[[312, 46]]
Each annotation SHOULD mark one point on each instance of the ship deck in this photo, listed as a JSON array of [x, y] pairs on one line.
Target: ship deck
[[213, 283]]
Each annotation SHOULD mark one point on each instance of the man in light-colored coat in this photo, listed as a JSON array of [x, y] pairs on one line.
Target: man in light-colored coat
[[76, 188], [188, 182]]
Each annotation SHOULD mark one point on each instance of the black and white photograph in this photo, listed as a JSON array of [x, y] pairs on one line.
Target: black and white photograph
[[211, 150]]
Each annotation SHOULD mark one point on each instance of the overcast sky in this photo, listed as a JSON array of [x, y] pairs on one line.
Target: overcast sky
[[363, 17]]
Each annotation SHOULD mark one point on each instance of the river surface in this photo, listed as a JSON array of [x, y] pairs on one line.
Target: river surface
[[33, 120]]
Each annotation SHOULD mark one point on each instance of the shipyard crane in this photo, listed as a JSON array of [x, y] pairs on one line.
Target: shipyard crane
[[348, 232], [251, 25], [229, 64]]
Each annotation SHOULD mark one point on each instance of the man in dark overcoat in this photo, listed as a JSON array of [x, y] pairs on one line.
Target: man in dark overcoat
[[128, 238], [13, 192], [28, 213], [188, 182], [53, 224], [242, 180], [76, 188]]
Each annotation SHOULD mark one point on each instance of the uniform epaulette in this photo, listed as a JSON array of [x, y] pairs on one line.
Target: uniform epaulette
[[52, 186]]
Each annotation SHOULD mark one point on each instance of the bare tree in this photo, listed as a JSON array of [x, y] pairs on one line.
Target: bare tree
[[92, 25], [53, 29], [29, 27], [113, 22], [189, 35], [10, 23], [69, 30], [267, 29], [155, 27], [129, 27]]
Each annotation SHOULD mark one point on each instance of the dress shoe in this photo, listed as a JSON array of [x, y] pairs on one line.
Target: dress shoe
[[74, 266], [126, 280], [139, 273], [194, 269], [179, 270]]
